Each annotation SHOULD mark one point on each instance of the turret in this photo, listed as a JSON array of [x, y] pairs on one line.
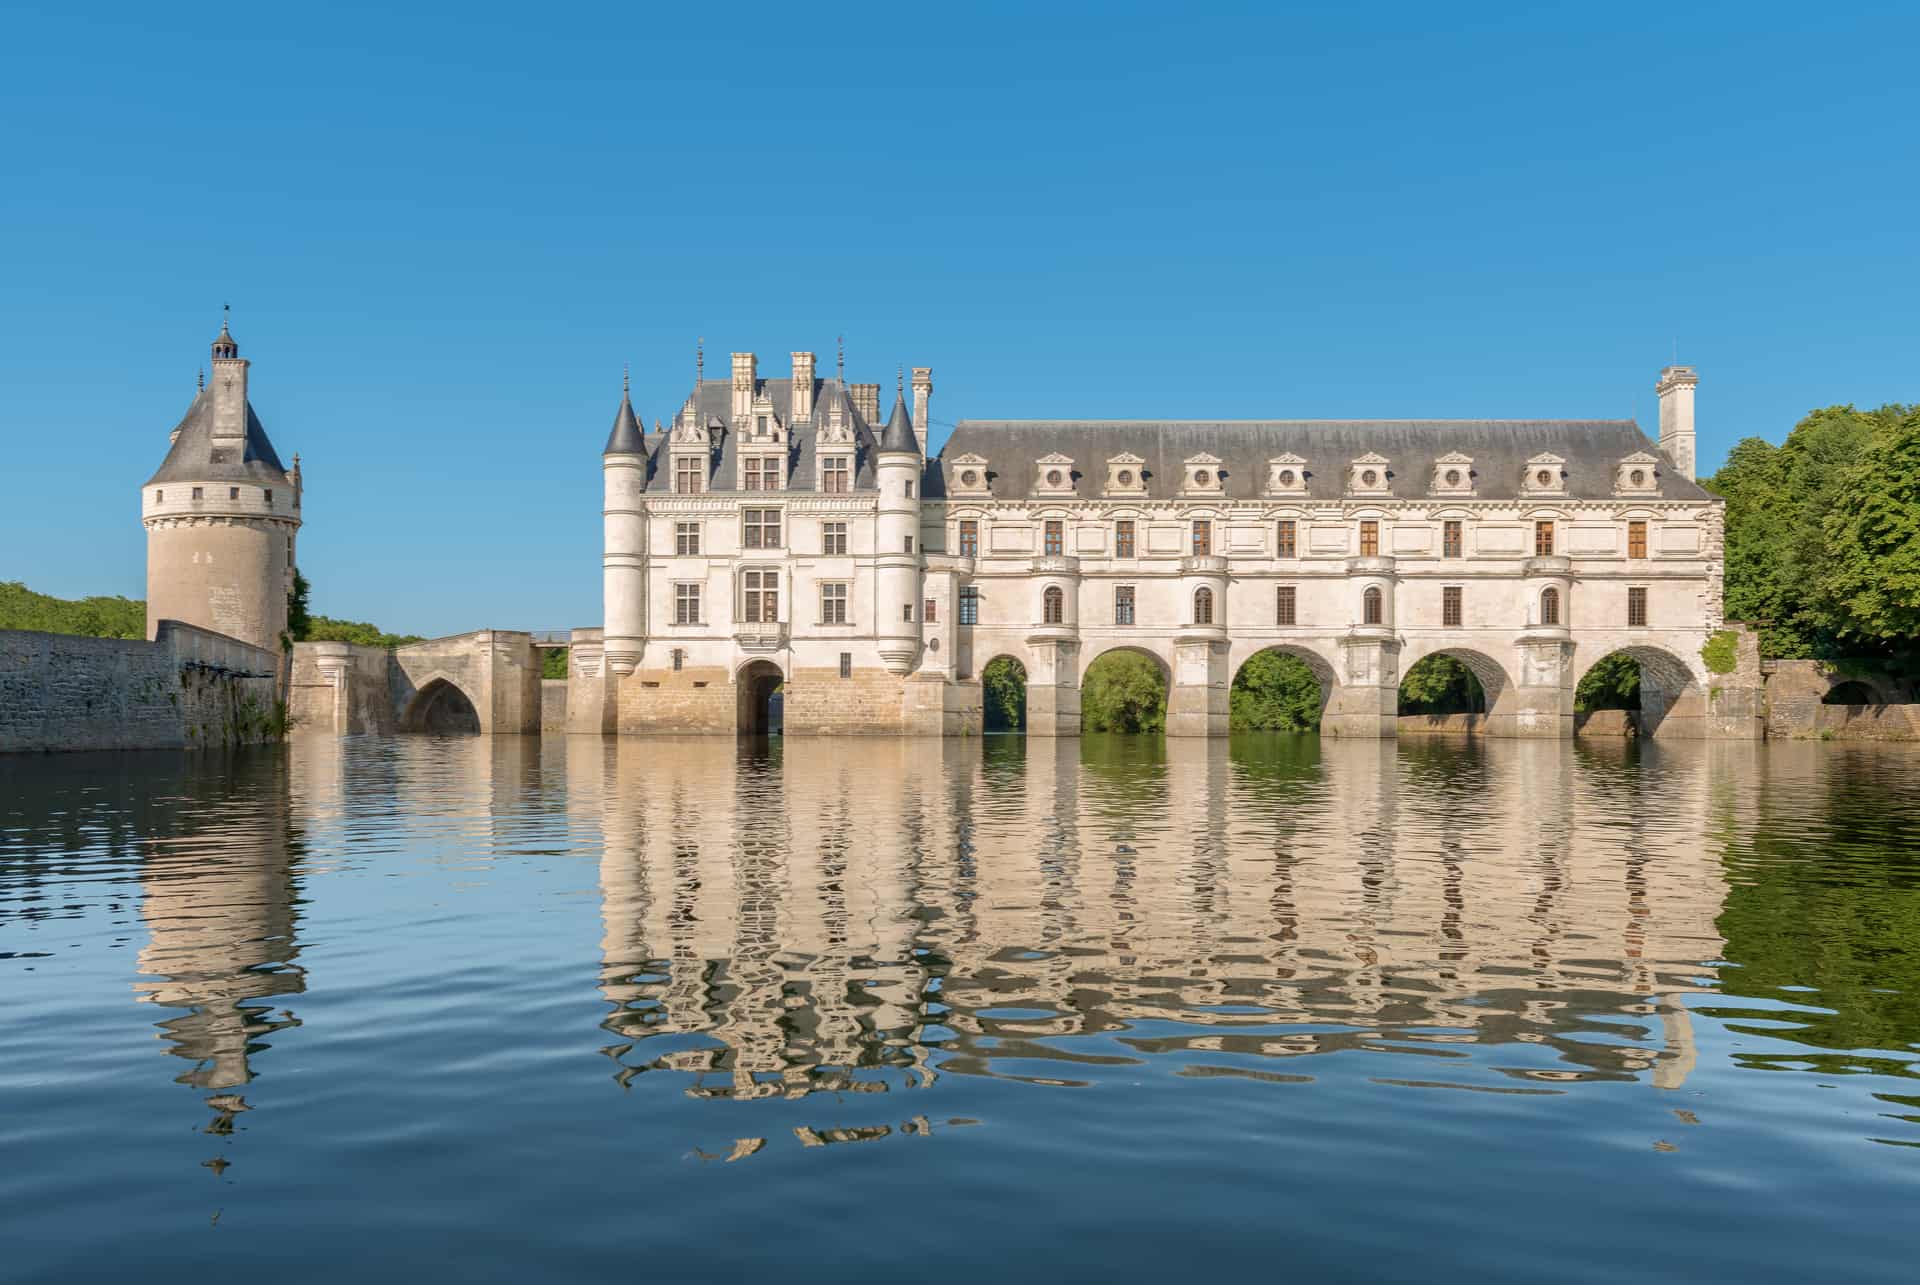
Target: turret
[[623, 468], [222, 515], [897, 468]]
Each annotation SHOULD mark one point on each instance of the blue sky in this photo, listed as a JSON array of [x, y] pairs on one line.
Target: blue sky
[[443, 231]]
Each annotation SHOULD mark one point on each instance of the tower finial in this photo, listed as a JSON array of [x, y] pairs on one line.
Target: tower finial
[[626, 378], [699, 363], [200, 379], [900, 380], [840, 341]]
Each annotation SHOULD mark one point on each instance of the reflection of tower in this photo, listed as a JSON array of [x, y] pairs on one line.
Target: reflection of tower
[[219, 898]]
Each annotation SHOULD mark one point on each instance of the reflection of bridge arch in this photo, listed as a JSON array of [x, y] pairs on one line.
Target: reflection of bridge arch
[[441, 707]]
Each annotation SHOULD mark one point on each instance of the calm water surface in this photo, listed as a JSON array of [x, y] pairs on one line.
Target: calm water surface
[[512, 1010]]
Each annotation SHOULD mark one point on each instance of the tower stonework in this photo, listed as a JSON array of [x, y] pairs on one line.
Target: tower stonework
[[222, 515], [1675, 390]]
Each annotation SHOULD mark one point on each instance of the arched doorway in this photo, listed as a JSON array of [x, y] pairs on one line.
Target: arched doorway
[[1003, 696], [1124, 690], [441, 709], [761, 705], [1279, 689], [1851, 692]]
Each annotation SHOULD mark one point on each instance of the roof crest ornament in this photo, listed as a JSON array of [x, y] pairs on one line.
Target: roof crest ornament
[[699, 363], [841, 342]]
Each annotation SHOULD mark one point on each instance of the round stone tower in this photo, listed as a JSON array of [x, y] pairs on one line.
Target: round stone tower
[[623, 468], [897, 468], [222, 515]]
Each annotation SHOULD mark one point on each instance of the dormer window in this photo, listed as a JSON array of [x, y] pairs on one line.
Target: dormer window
[[1286, 475], [760, 473], [1126, 475], [1637, 474], [1546, 474], [1452, 475], [836, 474], [968, 474], [1200, 475], [689, 475], [1054, 475], [1370, 475]]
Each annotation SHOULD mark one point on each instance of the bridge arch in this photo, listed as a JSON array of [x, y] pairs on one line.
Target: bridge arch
[[1666, 679], [1323, 669], [758, 705], [1496, 682], [441, 707], [1003, 693], [1110, 652]]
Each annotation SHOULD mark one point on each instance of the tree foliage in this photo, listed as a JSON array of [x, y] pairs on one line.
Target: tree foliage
[[327, 629], [299, 618], [1816, 529], [1124, 691], [1612, 683], [1003, 690], [1441, 685], [96, 617], [1274, 692], [553, 662]]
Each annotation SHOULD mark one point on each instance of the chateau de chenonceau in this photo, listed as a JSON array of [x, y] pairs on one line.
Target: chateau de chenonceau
[[780, 555]]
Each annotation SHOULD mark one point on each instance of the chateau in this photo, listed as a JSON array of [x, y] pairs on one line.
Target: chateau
[[779, 534]]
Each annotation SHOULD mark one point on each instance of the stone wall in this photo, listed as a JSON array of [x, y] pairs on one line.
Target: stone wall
[[1600, 723], [553, 705], [1456, 724], [189, 688], [341, 688]]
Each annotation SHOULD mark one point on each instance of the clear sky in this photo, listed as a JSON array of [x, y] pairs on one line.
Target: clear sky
[[443, 231]]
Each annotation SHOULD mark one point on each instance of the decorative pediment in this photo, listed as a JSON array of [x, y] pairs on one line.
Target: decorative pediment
[[1126, 474], [1200, 475], [763, 427], [1369, 474], [835, 431], [687, 429], [1286, 475], [1637, 474], [967, 475], [1452, 475], [1053, 474], [1544, 474]]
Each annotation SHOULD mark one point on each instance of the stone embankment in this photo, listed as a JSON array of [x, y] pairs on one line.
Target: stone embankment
[[189, 688]]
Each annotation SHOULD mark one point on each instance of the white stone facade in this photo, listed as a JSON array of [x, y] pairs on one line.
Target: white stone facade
[[1529, 550]]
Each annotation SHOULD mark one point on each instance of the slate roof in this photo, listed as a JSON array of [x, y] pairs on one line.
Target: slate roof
[[1499, 449], [625, 437], [899, 432], [714, 406], [194, 458]]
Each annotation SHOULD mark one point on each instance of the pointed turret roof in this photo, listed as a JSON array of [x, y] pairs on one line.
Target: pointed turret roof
[[195, 457], [898, 435], [625, 437]]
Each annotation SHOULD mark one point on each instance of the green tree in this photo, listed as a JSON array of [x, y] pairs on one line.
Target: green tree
[[1612, 683], [1123, 692], [95, 617], [1869, 588], [327, 629], [1274, 692], [553, 662], [299, 619], [1441, 685], [1003, 690]]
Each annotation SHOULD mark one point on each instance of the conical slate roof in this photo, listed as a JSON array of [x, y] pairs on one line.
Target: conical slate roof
[[625, 437], [898, 435], [195, 457]]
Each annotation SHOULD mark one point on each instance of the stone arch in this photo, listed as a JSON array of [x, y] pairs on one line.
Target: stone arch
[[759, 711], [1851, 691], [993, 719], [1324, 671], [441, 707], [1160, 663], [1669, 684], [1156, 649], [1496, 684]]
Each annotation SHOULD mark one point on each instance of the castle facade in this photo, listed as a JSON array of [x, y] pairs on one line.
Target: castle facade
[[779, 536]]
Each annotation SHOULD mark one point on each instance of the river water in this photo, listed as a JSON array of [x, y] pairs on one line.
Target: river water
[[832, 1010]]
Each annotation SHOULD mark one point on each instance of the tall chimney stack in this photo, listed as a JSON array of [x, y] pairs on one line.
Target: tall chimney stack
[[1676, 416], [745, 375], [922, 394], [802, 386], [866, 400]]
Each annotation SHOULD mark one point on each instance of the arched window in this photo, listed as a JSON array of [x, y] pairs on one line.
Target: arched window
[[1370, 606], [1203, 606], [1549, 606], [1053, 606]]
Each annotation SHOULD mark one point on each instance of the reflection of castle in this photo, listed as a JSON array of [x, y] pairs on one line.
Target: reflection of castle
[[777, 926], [219, 905]]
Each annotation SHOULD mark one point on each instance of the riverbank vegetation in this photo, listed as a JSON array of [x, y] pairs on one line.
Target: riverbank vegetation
[[97, 617]]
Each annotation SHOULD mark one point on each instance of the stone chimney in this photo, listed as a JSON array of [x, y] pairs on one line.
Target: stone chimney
[[866, 400], [802, 387], [745, 374], [922, 394], [1676, 416]]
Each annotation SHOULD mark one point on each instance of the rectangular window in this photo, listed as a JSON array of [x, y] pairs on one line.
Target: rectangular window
[[833, 604], [1286, 605], [762, 602], [833, 538], [762, 528], [835, 478], [233, 493], [159, 497], [1369, 539], [679, 659], [929, 613], [1056, 539], [906, 612], [1450, 606], [1543, 539], [846, 664], [969, 606], [760, 424], [197, 493], [1636, 539], [1450, 539], [752, 476], [1123, 604], [969, 539], [1286, 542], [909, 489], [909, 544], [686, 605], [686, 539], [1123, 539], [1637, 606], [269, 494], [689, 475], [1202, 538]]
